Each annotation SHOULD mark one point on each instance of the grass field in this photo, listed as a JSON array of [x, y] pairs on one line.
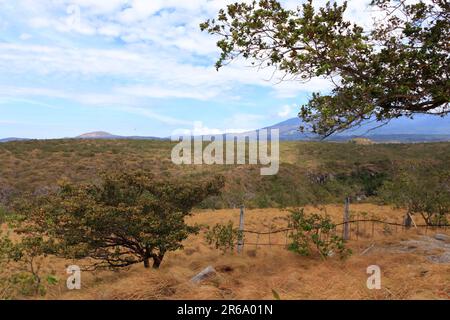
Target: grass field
[[406, 273]]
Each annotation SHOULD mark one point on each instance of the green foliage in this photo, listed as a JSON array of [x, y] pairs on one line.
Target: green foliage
[[367, 182], [27, 284], [127, 218], [224, 236], [424, 191], [314, 231], [399, 67], [21, 263]]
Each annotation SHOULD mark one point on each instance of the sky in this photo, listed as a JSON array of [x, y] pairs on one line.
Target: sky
[[132, 67]]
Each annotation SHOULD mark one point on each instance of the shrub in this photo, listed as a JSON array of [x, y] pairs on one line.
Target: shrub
[[425, 192], [224, 236], [314, 231], [21, 264]]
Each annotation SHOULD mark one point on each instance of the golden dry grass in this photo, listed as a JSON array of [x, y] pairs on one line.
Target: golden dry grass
[[255, 273]]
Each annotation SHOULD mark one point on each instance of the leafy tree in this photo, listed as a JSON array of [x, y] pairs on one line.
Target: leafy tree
[[20, 267], [224, 236], [425, 192], [314, 231], [126, 219], [400, 67]]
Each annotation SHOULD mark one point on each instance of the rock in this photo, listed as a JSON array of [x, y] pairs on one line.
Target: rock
[[443, 258], [441, 237], [204, 274]]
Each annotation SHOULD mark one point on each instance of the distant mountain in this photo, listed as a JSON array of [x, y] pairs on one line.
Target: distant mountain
[[289, 130], [107, 135], [12, 139], [422, 128], [96, 135]]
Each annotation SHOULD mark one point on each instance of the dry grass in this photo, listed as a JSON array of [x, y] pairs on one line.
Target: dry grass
[[255, 273]]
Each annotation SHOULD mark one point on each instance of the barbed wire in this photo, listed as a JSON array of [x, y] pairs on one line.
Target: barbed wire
[[349, 222]]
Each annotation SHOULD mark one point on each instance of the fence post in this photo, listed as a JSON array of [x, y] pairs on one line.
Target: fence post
[[241, 230], [346, 231], [270, 233], [357, 227]]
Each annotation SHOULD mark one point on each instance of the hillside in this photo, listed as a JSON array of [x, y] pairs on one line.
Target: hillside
[[310, 172]]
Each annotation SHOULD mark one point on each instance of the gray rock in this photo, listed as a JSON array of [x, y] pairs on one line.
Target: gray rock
[[443, 258], [441, 237], [204, 274]]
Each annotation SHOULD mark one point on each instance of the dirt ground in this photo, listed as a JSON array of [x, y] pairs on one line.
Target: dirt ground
[[413, 265]]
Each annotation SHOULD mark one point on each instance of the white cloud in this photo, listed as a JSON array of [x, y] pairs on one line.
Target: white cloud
[[25, 36], [160, 47], [145, 48], [285, 110], [174, 78]]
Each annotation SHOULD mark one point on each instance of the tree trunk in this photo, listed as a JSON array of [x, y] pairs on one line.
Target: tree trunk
[[157, 259], [427, 219], [146, 262]]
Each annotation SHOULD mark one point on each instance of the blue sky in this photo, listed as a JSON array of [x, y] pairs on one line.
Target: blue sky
[[130, 67]]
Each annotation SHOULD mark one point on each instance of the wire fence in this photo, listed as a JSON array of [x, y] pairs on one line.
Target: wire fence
[[358, 229]]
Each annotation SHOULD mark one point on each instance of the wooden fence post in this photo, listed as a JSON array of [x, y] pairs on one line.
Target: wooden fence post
[[346, 231], [357, 227], [241, 229], [270, 233]]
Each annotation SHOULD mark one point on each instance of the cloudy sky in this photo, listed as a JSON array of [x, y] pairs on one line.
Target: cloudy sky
[[131, 67]]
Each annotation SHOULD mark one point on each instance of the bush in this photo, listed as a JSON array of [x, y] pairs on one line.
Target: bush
[[314, 231], [423, 191], [224, 237], [20, 267]]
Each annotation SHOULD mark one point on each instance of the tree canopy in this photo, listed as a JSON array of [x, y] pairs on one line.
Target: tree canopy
[[128, 218], [424, 191], [400, 67]]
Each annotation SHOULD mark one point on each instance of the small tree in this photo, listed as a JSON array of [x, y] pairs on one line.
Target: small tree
[[314, 231], [126, 219], [20, 267], [224, 236], [426, 193]]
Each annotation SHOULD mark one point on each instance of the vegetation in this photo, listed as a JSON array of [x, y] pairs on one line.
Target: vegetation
[[20, 267], [421, 191], [314, 231], [126, 219], [310, 172], [399, 67], [224, 237]]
